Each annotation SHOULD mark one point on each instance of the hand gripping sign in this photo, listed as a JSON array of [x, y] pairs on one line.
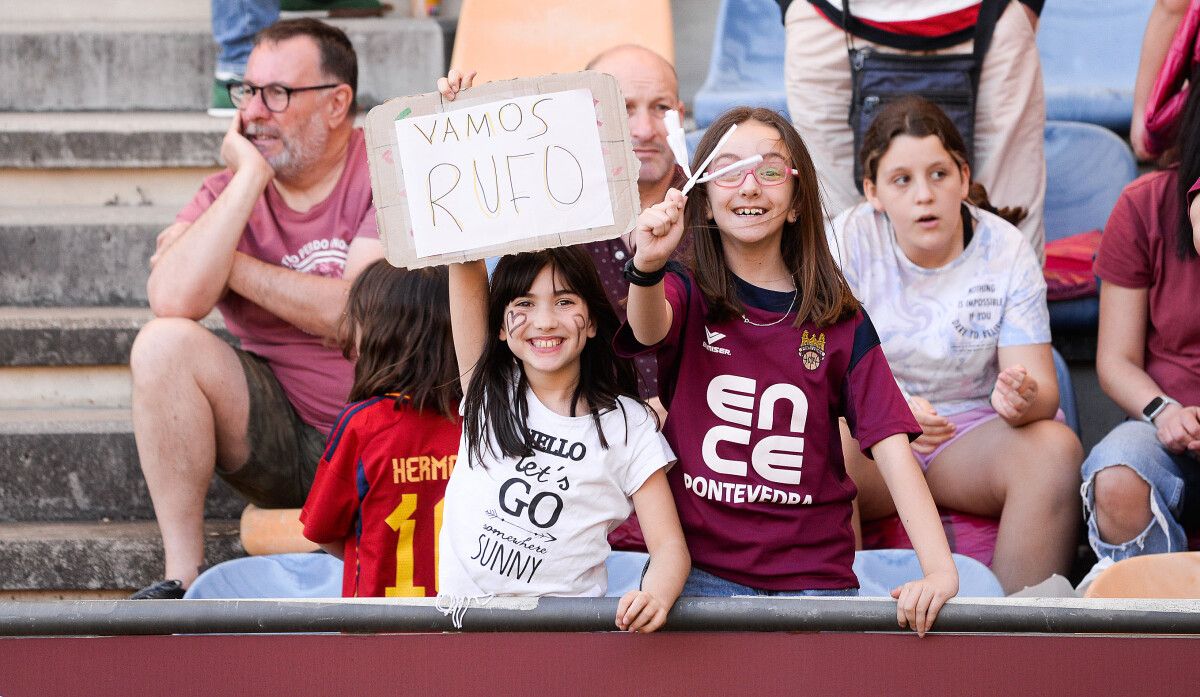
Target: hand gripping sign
[[507, 167]]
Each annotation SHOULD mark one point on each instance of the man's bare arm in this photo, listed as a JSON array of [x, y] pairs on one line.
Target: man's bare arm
[[190, 270], [312, 303]]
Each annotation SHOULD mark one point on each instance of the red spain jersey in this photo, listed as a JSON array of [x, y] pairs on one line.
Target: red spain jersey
[[379, 487]]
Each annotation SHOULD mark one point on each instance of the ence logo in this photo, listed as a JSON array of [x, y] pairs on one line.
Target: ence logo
[[736, 400]]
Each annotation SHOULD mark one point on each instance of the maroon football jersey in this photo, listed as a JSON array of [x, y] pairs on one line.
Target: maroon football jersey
[[761, 485], [379, 487]]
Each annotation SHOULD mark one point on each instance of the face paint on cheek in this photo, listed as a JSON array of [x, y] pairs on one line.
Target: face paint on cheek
[[514, 321], [581, 325]]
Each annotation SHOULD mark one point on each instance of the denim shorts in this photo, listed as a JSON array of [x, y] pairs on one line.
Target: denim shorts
[[701, 584], [284, 450], [1173, 480]]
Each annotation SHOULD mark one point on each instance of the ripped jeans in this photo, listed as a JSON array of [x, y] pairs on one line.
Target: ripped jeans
[[1135, 445]]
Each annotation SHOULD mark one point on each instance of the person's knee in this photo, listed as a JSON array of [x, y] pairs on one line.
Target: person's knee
[[1122, 496], [1054, 470], [164, 348]]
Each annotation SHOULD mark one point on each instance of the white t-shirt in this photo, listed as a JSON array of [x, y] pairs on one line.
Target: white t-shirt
[[538, 526], [940, 328]]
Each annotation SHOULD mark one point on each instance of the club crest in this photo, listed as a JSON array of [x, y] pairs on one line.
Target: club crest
[[812, 349]]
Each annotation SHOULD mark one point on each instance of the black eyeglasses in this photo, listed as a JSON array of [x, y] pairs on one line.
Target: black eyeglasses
[[275, 97]]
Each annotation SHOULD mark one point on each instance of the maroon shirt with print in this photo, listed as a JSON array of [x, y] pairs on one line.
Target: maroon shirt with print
[[760, 485]]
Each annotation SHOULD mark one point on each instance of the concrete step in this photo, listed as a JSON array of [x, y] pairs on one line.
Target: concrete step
[[109, 10], [168, 65], [120, 188], [69, 465], [65, 387], [76, 336], [115, 140], [96, 555], [81, 255]]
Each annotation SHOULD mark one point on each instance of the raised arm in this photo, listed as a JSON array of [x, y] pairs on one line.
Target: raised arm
[[655, 236], [917, 602], [190, 269], [468, 315], [1160, 28]]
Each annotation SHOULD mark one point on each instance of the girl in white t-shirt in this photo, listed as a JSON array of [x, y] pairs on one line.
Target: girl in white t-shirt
[[557, 449], [959, 301]]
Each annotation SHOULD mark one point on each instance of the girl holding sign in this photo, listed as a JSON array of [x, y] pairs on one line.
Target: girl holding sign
[[557, 448], [761, 347]]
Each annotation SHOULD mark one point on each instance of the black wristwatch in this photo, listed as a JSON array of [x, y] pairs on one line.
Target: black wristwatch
[[641, 278], [1156, 407]]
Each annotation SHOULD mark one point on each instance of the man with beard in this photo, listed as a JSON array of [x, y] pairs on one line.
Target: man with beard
[[273, 242], [651, 89]]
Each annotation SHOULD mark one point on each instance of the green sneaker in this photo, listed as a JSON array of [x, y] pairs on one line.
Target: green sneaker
[[221, 105], [337, 8]]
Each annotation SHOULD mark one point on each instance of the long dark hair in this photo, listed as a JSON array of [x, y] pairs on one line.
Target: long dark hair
[[495, 406], [401, 319], [824, 296], [918, 117], [1187, 153]]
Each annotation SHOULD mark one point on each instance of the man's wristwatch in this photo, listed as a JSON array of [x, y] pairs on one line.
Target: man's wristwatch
[[1156, 407]]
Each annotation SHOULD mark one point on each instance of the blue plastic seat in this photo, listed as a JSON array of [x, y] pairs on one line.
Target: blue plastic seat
[[881, 570], [1087, 167], [746, 68], [1089, 53], [1066, 392], [271, 576]]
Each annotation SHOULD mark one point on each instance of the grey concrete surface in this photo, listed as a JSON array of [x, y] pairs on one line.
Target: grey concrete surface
[[167, 65], [96, 556], [85, 256], [110, 140], [70, 465], [76, 336]]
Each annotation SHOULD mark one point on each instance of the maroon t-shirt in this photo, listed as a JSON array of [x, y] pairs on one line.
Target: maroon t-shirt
[[314, 375], [760, 485], [1138, 251]]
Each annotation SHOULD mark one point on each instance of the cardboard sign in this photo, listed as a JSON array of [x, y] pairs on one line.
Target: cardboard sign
[[507, 167]]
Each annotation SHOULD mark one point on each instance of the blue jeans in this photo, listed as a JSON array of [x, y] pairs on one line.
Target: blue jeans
[[234, 24], [1135, 445], [701, 584]]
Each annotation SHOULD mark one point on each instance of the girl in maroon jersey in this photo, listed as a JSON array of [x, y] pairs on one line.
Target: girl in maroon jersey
[[376, 500], [761, 348]]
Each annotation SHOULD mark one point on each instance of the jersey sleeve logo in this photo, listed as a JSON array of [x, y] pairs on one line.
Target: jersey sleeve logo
[[812, 349]]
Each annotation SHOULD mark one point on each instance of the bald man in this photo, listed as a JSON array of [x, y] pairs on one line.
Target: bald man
[[651, 89]]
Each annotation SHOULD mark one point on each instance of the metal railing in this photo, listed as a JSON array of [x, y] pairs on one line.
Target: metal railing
[[1007, 616]]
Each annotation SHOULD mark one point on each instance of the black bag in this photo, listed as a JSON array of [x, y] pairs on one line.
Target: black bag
[[951, 81]]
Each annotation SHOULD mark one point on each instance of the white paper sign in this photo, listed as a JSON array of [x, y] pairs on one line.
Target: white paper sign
[[503, 171]]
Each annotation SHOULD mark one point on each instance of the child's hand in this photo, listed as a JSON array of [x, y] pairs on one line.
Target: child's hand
[[657, 232], [640, 611], [935, 429], [1014, 392], [918, 602], [455, 82]]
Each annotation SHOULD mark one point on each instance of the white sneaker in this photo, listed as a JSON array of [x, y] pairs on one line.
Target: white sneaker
[[1092, 575]]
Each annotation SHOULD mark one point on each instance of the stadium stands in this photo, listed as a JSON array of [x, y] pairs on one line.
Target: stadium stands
[[1089, 55]]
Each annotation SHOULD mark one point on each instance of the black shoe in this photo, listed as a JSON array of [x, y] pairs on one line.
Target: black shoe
[[163, 590]]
